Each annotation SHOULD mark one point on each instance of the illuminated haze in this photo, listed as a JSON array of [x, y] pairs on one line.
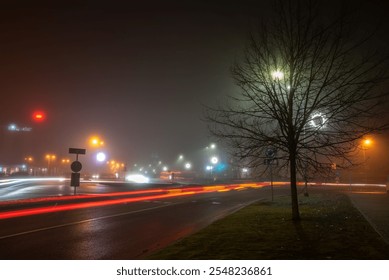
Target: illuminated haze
[[136, 75]]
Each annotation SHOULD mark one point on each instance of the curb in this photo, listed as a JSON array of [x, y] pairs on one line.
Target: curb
[[367, 218]]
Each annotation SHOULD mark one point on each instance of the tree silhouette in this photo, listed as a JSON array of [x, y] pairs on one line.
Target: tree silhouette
[[309, 89]]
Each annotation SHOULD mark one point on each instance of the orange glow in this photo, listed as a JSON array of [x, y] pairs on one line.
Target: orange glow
[[367, 142], [29, 159], [95, 141], [50, 157]]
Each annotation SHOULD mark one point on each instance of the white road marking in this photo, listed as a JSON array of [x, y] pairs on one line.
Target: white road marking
[[85, 221]]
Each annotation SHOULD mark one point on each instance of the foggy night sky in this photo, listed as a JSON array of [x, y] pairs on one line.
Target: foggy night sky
[[135, 74]]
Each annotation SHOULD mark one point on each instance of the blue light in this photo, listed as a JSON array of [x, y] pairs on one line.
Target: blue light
[[13, 127], [220, 167]]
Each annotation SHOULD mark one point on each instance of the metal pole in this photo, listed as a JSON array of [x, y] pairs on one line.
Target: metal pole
[[271, 181], [305, 170]]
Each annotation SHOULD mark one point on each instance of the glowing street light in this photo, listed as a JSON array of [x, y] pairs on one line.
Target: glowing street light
[[214, 160], [277, 75], [29, 159], [212, 146], [50, 158], [318, 120], [209, 167], [12, 127], [95, 141], [188, 165], [367, 143], [101, 157]]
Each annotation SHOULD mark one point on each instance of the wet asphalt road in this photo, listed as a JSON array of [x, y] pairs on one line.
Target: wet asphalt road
[[123, 231]]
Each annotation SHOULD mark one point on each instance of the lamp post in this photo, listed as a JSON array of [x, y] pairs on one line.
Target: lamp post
[[214, 160], [50, 158], [366, 144], [317, 122], [29, 160], [65, 164]]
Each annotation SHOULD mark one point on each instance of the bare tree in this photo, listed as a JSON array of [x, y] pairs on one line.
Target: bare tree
[[309, 91]]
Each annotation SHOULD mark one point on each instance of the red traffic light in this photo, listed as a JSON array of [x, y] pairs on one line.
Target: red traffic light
[[39, 116]]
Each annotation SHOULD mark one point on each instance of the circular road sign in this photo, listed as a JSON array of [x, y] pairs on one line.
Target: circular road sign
[[270, 153], [76, 166]]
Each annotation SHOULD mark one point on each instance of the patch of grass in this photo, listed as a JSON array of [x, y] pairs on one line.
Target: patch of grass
[[330, 228]]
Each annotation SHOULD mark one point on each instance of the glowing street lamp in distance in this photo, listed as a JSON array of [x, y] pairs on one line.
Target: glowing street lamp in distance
[[95, 141], [101, 157], [212, 146], [12, 127], [50, 157], [29, 159], [188, 165], [367, 142], [318, 120], [277, 75], [214, 160]]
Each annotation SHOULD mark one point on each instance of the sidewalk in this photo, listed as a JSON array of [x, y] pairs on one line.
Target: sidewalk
[[374, 206]]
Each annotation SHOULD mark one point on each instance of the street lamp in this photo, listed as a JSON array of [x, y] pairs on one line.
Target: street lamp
[[277, 75], [29, 159], [188, 165], [214, 160], [212, 146], [50, 157], [95, 142], [100, 157], [366, 144], [317, 121]]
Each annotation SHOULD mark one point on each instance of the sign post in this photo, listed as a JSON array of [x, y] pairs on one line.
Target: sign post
[[76, 167], [270, 157]]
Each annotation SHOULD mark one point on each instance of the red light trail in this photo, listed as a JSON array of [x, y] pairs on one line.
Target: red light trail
[[159, 194]]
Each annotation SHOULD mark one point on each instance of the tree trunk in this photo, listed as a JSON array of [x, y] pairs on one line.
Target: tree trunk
[[293, 187]]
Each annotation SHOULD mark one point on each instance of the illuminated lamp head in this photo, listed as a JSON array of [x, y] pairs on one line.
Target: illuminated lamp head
[[100, 157]]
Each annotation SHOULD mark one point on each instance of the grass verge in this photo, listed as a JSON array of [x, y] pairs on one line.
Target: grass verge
[[330, 228]]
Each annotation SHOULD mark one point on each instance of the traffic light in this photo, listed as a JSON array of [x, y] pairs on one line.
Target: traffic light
[[39, 116]]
